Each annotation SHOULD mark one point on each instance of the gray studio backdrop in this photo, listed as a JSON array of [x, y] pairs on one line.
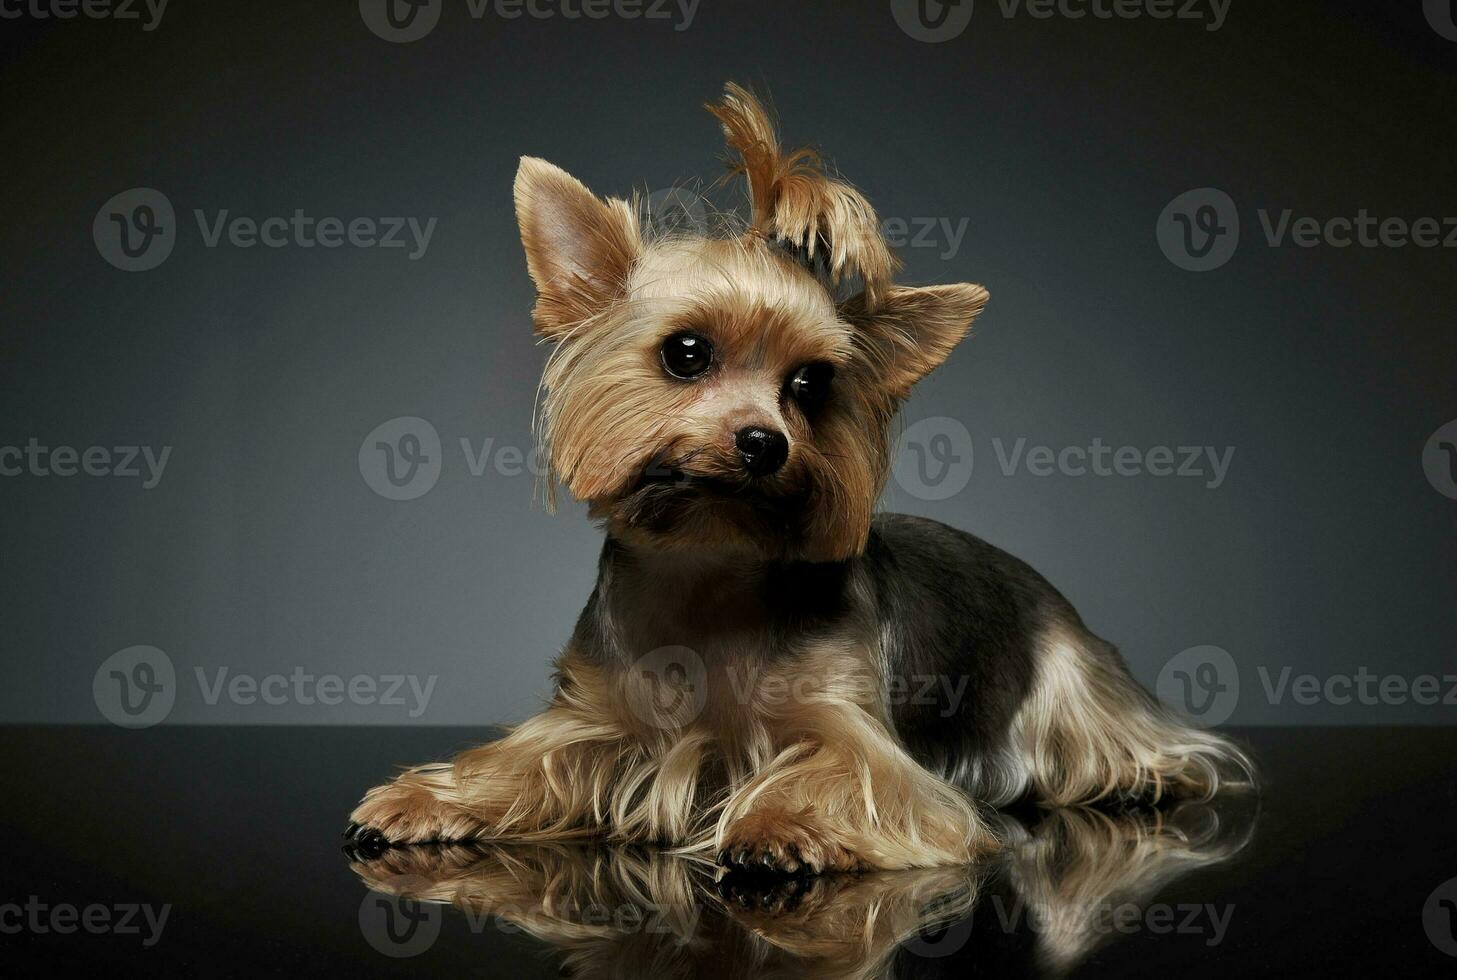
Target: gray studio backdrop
[[278, 471]]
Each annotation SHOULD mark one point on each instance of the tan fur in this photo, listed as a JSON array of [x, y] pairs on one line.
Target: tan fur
[[842, 791], [1080, 864], [793, 199], [641, 912], [607, 414], [912, 331], [608, 295], [579, 250], [819, 769], [814, 782], [613, 912], [1087, 733]]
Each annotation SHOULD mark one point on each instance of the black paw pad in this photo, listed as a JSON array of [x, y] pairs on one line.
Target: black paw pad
[[755, 891]]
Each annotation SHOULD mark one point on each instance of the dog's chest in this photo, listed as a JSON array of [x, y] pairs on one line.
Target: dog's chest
[[728, 614], [739, 651]]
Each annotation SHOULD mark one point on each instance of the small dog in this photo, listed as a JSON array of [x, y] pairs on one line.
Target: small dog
[[748, 677]]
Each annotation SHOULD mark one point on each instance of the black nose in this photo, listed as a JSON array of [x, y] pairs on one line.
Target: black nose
[[763, 451]]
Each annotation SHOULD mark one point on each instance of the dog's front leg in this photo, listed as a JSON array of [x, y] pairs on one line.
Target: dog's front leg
[[844, 795], [545, 780]]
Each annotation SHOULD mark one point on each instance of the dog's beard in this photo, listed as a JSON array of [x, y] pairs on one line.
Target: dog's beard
[[676, 507]]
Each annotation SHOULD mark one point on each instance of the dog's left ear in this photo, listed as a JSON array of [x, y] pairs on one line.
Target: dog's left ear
[[912, 330], [579, 248]]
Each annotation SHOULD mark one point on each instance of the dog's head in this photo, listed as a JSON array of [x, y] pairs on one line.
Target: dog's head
[[725, 393]]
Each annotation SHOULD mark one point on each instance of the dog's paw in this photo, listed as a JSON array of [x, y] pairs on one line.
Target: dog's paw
[[784, 843], [771, 895], [364, 843], [405, 812], [412, 863]]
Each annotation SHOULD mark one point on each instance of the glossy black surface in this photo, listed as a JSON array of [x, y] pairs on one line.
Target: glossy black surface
[[236, 831]]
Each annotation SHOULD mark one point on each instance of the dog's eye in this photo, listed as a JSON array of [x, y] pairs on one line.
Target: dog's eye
[[810, 385], [687, 355]]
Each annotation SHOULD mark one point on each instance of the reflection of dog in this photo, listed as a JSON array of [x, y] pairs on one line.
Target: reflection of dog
[[1078, 869], [613, 912], [724, 404]]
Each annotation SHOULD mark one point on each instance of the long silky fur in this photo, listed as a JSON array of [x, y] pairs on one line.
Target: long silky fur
[[584, 768], [827, 591], [1089, 733], [794, 200]]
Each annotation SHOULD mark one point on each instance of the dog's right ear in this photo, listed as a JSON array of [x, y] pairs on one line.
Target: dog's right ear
[[579, 249]]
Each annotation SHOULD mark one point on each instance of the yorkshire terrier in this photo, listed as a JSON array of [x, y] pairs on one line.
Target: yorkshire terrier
[[749, 677]]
